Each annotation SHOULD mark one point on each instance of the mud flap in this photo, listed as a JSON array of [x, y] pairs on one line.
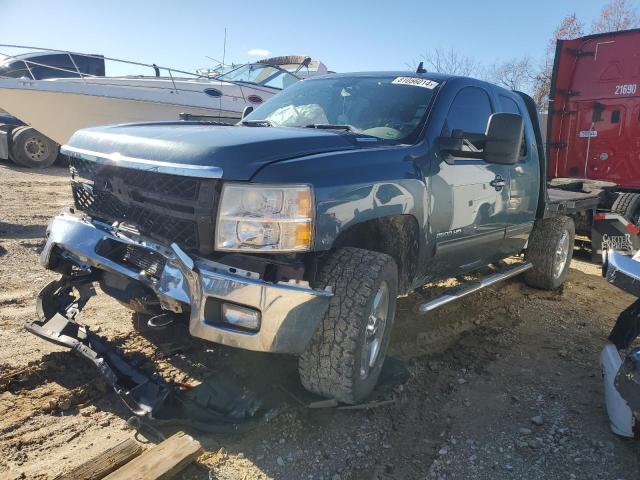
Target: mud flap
[[211, 407], [610, 231]]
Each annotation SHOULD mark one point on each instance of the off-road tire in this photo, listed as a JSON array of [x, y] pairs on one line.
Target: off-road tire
[[541, 252], [628, 205], [330, 365], [46, 149]]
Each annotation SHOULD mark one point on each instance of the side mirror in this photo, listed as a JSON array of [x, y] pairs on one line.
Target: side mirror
[[503, 138], [247, 110]]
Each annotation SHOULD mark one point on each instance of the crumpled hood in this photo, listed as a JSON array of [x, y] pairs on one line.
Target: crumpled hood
[[239, 151]]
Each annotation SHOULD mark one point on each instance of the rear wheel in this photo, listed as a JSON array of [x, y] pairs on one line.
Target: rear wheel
[[628, 205], [550, 250], [344, 357], [30, 148]]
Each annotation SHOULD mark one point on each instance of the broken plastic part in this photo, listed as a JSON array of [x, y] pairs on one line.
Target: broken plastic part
[[213, 406]]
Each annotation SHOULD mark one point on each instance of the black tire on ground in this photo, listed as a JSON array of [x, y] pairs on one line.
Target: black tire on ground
[[30, 148], [628, 205], [550, 250], [334, 365]]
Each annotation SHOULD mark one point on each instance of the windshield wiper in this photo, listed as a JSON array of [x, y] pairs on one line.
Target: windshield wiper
[[346, 128], [258, 123], [330, 126]]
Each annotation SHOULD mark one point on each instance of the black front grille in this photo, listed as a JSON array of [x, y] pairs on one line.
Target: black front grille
[[170, 208]]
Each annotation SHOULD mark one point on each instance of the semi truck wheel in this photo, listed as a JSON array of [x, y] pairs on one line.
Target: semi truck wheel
[[550, 250], [345, 355], [30, 148], [628, 205]]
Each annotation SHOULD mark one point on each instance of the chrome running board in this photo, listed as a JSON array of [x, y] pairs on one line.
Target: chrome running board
[[472, 286]]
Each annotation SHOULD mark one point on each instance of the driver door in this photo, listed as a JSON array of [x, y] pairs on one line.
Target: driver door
[[469, 197]]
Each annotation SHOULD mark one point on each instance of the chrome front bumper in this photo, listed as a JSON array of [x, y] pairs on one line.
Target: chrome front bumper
[[290, 312]]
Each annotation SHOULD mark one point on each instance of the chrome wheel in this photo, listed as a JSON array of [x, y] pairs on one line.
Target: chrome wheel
[[374, 331], [561, 254]]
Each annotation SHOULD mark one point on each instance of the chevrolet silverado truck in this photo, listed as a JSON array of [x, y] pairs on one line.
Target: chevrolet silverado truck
[[295, 230]]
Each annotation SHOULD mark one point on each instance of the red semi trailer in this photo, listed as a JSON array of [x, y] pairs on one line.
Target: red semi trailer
[[593, 132], [593, 129]]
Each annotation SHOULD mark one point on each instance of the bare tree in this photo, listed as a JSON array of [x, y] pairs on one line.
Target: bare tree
[[616, 15], [570, 27], [449, 61], [514, 74]]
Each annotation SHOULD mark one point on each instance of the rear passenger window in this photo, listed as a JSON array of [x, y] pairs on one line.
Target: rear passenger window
[[469, 112], [509, 105]]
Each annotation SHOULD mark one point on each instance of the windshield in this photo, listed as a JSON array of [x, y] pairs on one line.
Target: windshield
[[390, 108], [265, 75]]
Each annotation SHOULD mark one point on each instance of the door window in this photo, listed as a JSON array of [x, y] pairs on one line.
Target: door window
[[469, 112]]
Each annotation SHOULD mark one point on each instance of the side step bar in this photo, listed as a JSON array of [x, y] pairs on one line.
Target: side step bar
[[465, 289]]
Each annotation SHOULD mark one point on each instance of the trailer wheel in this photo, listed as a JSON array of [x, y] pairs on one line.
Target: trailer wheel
[[628, 205], [345, 355], [30, 148], [550, 250]]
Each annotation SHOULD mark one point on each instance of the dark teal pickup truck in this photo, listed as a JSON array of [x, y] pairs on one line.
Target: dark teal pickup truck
[[296, 230]]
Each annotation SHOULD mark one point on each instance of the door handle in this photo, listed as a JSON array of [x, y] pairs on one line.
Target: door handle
[[498, 183]]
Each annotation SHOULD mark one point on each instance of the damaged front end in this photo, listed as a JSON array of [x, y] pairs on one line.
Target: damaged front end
[[224, 304], [143, 230], [162, 280]]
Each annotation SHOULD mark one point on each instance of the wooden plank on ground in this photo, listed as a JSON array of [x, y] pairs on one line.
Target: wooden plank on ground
[[161, 462], [103, 464]]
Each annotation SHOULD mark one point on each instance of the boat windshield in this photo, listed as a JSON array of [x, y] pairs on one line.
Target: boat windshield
[[264, 75], [390, 108]]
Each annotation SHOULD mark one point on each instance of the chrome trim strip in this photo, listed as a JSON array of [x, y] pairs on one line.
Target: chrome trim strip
[[117, 159]]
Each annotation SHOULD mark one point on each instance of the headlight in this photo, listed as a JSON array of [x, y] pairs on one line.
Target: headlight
[[265, 218]]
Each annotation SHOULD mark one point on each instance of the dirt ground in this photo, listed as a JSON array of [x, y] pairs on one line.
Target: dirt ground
[[479, 372]]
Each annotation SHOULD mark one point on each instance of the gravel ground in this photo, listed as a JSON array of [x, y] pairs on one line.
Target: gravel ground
[[504, 384]]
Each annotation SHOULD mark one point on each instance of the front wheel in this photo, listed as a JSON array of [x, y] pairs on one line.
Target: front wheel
[[345, 355], [550, 250]]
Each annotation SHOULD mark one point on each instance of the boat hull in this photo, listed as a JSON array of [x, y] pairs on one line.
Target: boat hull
[[58, 114]]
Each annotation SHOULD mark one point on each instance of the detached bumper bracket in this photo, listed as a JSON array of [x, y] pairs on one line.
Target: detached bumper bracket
[[142, 394], [226, 408]]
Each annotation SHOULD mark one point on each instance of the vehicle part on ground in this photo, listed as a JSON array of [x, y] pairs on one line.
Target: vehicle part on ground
[[628, 205], [622, 375], [211, 406], [345, 355], [550, 250], [30, 148], [621, 418], [472, 286], [628, 382]]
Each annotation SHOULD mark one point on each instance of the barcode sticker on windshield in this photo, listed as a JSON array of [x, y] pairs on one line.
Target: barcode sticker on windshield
[[416, 82]]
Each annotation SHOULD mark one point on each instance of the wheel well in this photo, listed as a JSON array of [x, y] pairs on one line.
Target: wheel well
[[395, 235]]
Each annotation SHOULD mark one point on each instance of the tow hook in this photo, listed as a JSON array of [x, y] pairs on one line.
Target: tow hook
[[152, 399]]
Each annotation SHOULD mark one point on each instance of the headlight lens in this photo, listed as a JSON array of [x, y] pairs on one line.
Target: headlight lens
[[265, 218]]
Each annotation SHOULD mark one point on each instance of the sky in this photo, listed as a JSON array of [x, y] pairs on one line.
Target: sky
[[345, 35]]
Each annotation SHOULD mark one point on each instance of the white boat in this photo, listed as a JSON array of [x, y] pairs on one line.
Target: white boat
[[57, 107]]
